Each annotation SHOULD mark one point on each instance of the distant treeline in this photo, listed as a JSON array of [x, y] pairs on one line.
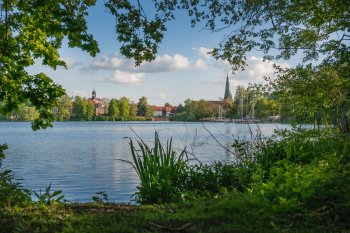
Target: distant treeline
[[247, 102]]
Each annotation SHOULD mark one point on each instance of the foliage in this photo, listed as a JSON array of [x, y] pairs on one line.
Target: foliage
[[83, 109], [317, 95], [124, 108], [132, 110], [143, 108], [305, 171], [160, 171], [195, 110], [27, 112], [11, 191], [48, 197], [113, 109], [63, 108], [281, 27], [33, 31], [217, 178]]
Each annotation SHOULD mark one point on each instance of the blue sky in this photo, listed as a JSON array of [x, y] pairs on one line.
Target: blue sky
[[182, 69]]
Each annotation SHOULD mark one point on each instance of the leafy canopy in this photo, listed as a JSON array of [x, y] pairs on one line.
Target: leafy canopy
[[280, 27], [33, 31]]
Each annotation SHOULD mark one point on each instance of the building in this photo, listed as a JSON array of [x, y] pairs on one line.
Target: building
[[159, 111], [228, 95], [98, 104], [223, 103]]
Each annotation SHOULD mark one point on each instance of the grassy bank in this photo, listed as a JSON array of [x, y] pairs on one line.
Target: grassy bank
[[234, 212]]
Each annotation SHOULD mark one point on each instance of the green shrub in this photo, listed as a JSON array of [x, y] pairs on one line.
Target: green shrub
[[310, 175], [299, 145], [11, 191], [212, 179]]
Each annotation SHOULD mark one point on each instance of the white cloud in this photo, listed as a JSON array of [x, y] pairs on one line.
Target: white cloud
[[166, 63], [255, 72], [162, 95], [70, 62], [111, 61], [201, 65], [205, 52], [125, 77], [163, 63], [75, 92], [224, 66], [125, 71]]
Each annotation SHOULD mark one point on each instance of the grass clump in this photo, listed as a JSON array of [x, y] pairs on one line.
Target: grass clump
[[161, 171]]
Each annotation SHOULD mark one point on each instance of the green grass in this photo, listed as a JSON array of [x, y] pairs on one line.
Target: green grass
[[234, 212]]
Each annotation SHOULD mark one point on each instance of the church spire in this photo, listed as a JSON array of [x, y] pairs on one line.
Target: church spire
[[94, 94], [227, 90]]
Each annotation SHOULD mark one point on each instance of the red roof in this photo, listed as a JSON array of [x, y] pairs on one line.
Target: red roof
[[160, 108], [168, 109]]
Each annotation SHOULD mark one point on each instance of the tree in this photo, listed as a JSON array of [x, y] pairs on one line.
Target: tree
[[79, 108], [27, 112], [63, 108], [203, 109], [32, 31], [83, 109], [240, 101], [124, 108], [266, 106], [315, 27], [143, 108], [113, 109], [133, 110], [317, 95], [90, 110]]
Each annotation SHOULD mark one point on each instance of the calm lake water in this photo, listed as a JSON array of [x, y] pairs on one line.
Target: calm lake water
[[82, 158]]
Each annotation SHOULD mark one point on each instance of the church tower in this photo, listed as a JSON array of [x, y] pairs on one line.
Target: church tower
[[228, 94], [93, 94]]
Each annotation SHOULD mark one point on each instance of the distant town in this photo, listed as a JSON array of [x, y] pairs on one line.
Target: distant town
[[248, 105]]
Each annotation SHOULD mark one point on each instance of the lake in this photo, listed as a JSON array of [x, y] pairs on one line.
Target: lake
[[82, 158]]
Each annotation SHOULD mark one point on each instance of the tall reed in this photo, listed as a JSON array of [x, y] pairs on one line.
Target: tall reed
[[161, 171]]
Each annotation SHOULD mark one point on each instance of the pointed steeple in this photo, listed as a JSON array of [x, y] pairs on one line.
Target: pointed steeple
[[227, 90], [94, 94]]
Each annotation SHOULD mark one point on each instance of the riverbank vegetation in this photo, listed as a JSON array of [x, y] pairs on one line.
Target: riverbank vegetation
[[296, 181]]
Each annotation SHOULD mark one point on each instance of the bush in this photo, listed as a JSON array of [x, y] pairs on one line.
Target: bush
[[306, 172], [11, 191], [213, 179]]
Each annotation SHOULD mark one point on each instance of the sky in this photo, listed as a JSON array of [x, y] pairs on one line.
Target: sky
[[182, 69]]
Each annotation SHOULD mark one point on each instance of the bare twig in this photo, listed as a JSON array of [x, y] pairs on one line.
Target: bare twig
[[232, 152]]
